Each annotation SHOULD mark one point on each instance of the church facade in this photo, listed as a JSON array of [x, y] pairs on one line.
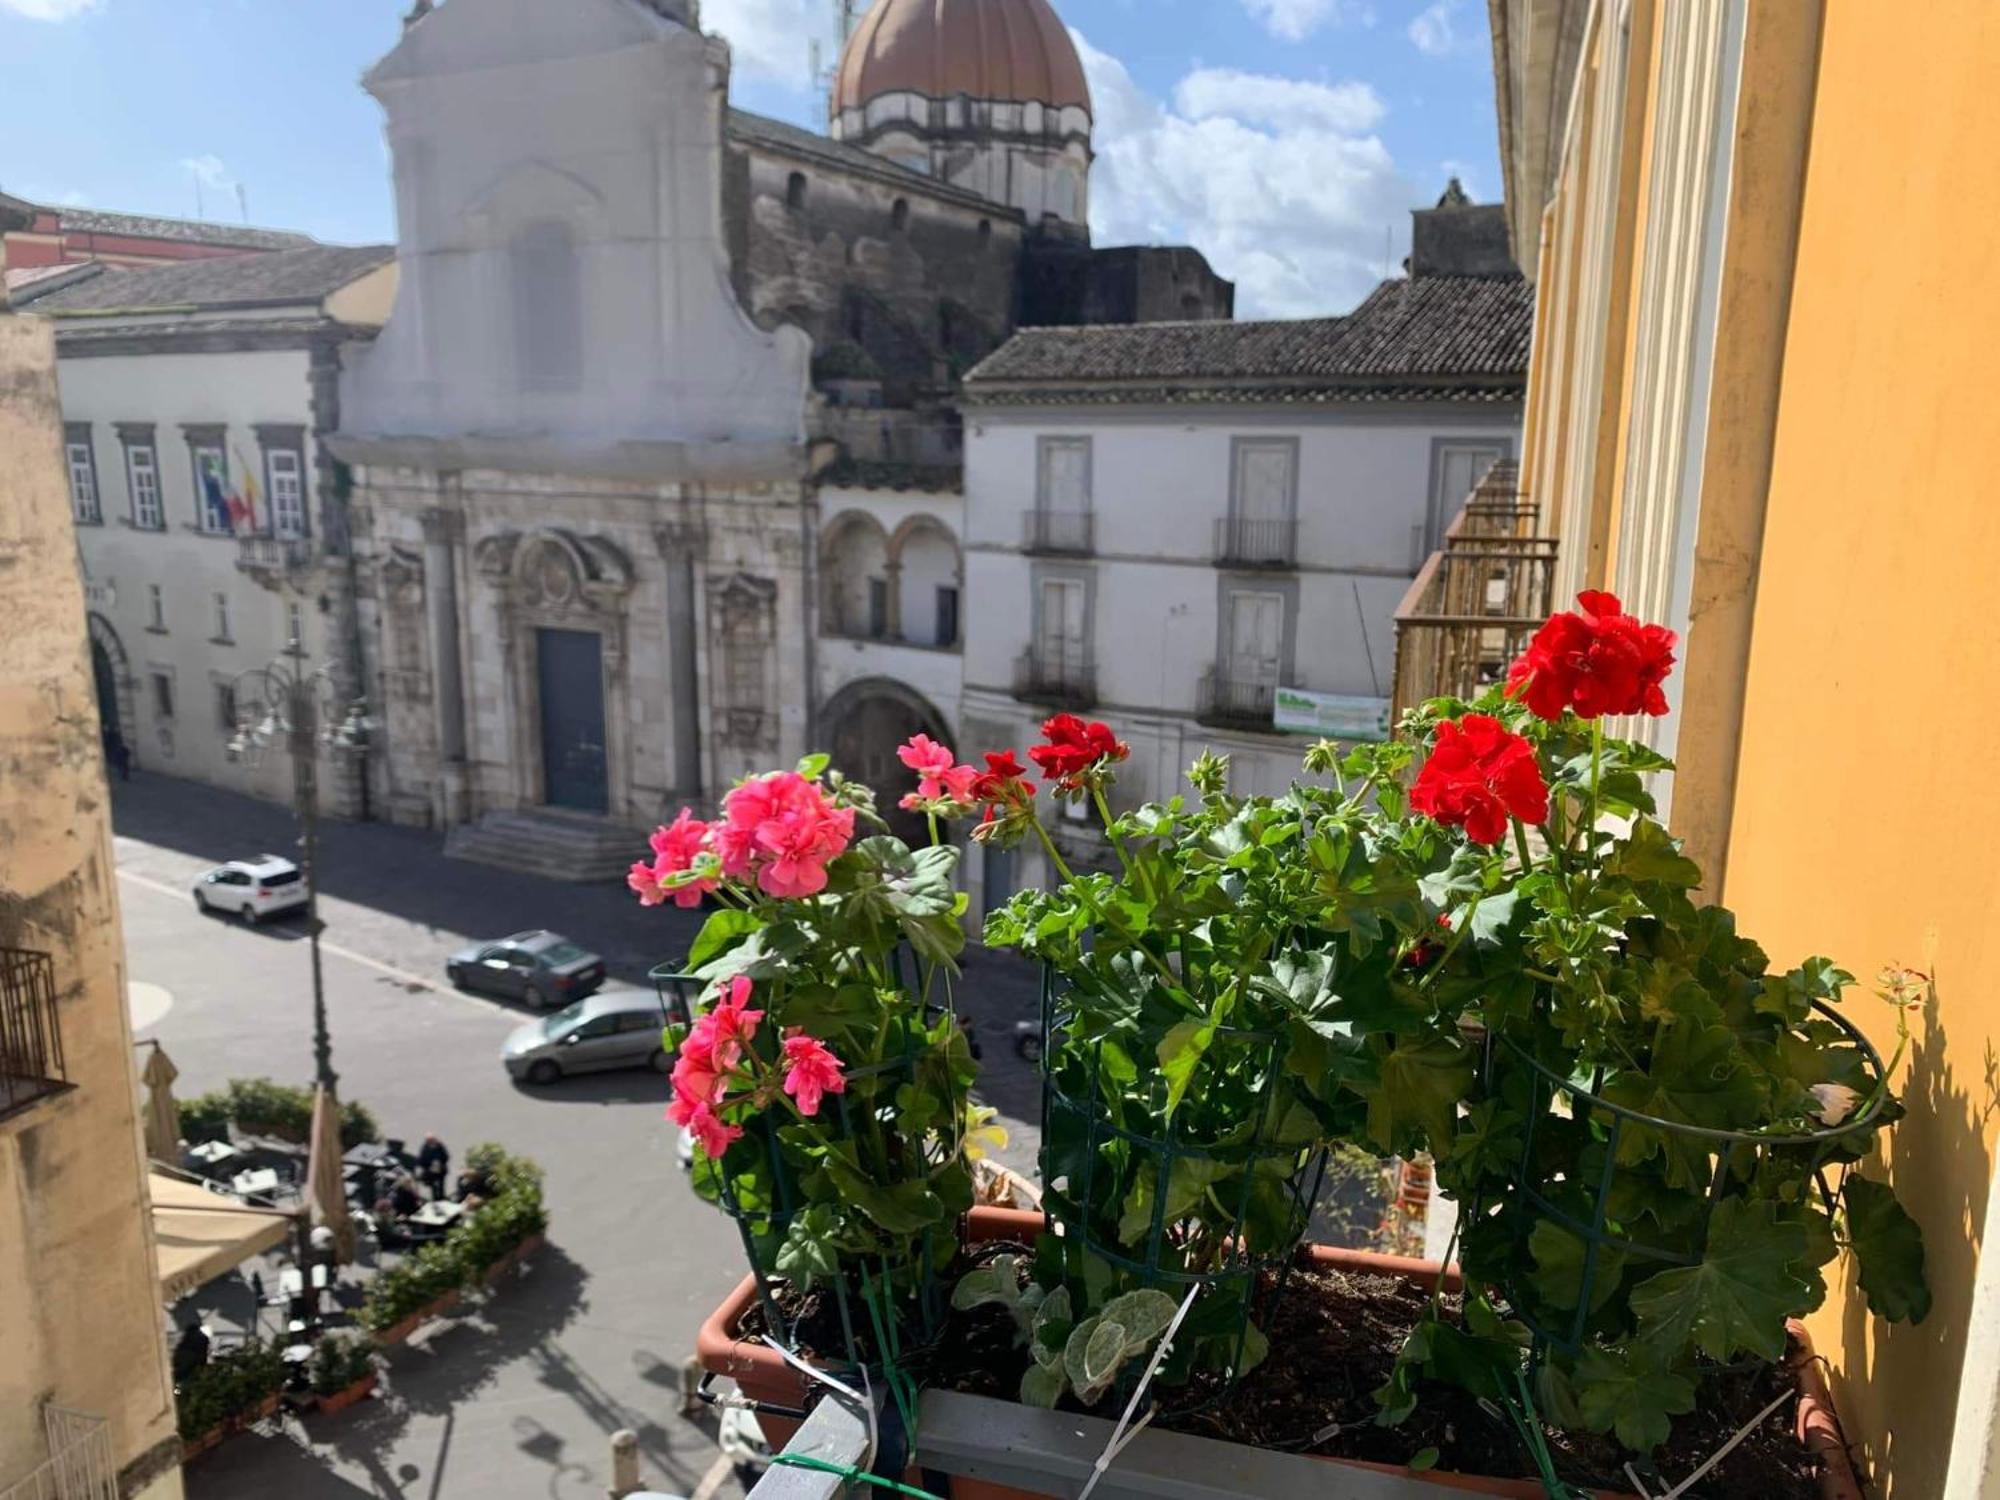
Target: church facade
[[641, 342]]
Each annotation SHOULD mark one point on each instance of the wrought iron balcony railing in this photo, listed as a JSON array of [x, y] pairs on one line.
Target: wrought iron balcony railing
[[79, 1465], [1244, 542], [1062, 678], [31, 1050], [1477, 600], [1071, 532], [274, 557], [1236, 702]]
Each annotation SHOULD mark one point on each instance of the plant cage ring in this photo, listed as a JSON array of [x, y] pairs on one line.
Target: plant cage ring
[[679, 992], [1072, 1210], [1596, 1236]]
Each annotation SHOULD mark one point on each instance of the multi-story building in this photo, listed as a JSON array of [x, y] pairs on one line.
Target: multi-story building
[[86, 1395], [210, 519], [653, 361], [1202, 532], [1761, 410], [47, 236]]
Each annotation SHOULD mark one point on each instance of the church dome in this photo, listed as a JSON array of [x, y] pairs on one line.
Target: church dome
[[1013, 50]]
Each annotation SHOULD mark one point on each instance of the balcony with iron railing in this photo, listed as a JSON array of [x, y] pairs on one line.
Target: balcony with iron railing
[[1064, 533], [274, 559], [1248, 542], [79, 1466], [1478, 599], [1228, 700], [1064, 677], [31, 1050]]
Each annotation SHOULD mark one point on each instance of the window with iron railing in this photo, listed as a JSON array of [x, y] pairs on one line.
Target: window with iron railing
[[1060, 675], [31, 1051], [1069, 531], [1256, 542]]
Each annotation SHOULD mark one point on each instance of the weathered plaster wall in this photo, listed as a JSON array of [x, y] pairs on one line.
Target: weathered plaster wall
[[80, 1321]]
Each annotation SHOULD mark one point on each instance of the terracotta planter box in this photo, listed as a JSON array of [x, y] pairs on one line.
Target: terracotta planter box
[[761, 1375], [1818, 1425], [193, 1448], [397, 1333], [758, 1370], [339, 1401], [507, 1263]]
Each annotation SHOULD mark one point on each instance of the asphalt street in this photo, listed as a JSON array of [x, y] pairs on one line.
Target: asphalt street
[[520, 1398]]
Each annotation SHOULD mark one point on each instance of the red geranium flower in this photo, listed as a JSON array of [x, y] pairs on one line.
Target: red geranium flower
[[1479, 774], [1074, 748], [1597, 660], [1002, 781]]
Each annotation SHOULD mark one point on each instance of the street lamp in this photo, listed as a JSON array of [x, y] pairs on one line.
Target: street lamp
[[289, 701]]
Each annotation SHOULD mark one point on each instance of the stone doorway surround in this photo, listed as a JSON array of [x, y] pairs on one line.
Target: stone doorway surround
[[551, 578]]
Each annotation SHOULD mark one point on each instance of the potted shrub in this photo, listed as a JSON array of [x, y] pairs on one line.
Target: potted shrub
[[822, 1071], [1653, 1135], [343, 1370], [422, 1285], [232, 1390]]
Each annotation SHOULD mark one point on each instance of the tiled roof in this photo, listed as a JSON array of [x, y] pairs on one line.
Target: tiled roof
[[1437, 337], [281, 277], [192, 231], [778, 135]]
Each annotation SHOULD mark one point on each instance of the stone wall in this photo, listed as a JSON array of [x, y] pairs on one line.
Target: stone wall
[[80, 1320]]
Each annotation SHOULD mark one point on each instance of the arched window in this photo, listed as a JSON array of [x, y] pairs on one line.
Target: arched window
[[899, 216], [795, 190], [985, 230], [548, 307]]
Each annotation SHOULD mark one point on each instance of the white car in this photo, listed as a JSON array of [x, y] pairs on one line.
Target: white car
[[252, 889]]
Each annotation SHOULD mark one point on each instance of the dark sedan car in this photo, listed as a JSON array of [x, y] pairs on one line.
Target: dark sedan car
[[542, 968]]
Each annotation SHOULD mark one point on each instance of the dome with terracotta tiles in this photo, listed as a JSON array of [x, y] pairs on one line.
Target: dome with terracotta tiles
[[1001, 50]]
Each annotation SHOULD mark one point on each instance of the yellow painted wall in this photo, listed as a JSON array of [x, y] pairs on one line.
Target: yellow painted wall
[[1868, 799]]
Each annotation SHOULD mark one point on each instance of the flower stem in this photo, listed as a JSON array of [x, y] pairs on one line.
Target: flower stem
[[1104, 816], [1521, 843]]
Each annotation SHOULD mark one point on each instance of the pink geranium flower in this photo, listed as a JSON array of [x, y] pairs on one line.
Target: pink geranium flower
[[676, 847], [730, 1025], [645, 883], [926, 756], [708, 1127], [781, 831], [939, 778], [811, 1072]]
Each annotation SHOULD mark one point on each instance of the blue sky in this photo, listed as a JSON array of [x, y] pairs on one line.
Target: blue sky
[[1286, 138]]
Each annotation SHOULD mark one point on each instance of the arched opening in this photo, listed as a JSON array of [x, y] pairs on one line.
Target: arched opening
[[795, 191], [548, 307], [929, 573], [865, 723], [899, 216], [855, 574], [111, 674]]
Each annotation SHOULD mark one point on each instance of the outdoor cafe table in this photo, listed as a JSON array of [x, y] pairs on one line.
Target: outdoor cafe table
[[262, 1180], [439, 1215]]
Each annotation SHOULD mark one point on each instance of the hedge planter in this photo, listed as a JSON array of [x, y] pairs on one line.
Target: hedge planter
[[339, 1401], [398, 1333], [193, 1448], [507, 1264]]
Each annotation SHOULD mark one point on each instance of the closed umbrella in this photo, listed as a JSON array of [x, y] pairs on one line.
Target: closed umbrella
[[163, 1117], [326, 1191]]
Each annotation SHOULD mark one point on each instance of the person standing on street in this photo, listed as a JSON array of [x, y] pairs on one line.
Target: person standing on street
[[434, 1166]]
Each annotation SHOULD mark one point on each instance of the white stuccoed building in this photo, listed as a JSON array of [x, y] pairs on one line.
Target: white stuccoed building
[[211, 519], [1197, 532]]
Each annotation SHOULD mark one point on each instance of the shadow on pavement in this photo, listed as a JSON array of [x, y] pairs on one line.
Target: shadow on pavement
[[633, 1086]]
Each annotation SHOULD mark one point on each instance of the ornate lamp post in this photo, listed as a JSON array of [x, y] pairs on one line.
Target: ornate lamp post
[[287, 700]]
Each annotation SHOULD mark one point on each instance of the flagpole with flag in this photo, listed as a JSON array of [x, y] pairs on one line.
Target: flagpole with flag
[[244, 504]]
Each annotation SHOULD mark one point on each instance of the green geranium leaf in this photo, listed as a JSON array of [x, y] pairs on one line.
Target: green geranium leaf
[[1144, 1314], [1890, 1247], [1740, 1295], [1413, 1101], [1042, 1386], [1626, 1392], [811, 1251], [905, 1208], [1650, 854], [1559, 1267], [1190, 1179], [722, 931], [1179, 1052]]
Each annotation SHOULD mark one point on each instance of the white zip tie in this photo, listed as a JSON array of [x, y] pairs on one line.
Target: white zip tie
[[1638, 1484], [1119, 1436], [1723, 1452], [865, 1396]]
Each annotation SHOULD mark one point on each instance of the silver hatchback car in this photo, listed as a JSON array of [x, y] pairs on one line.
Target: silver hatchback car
[[620, 1029]]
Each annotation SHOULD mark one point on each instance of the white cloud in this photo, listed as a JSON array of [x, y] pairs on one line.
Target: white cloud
[[1282, 103], [49, 10], [1295, 20], [1286, 192], [1433, 30], [209, 171], [774, 38]]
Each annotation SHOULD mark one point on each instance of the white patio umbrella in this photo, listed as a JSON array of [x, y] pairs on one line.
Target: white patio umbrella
[[326, 1191]]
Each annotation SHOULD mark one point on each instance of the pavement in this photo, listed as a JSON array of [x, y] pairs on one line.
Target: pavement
[[520, 1397]]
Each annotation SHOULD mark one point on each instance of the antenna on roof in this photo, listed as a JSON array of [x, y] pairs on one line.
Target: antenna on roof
[[822, 76], [199, 211], [243, 202]]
